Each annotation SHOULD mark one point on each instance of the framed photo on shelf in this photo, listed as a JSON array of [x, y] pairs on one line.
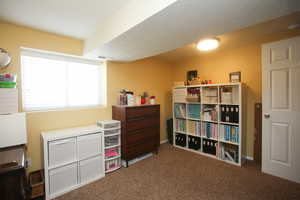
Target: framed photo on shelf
[[235, 77]]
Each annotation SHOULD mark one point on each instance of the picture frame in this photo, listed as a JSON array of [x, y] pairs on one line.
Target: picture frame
[[235, 77], [191, 75]]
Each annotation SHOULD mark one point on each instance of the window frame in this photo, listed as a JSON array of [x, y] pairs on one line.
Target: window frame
[[24, 51]]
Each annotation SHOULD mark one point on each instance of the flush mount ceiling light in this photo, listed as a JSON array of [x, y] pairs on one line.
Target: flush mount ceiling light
[[208, 44]]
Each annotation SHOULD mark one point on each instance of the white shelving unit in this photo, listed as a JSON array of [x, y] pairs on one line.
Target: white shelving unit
[[207, 119], [112, 144], [72, 158]]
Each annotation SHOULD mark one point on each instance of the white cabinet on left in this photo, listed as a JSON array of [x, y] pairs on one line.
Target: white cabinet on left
[[72, 158]]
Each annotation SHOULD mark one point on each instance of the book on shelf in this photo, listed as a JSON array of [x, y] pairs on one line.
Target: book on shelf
[[180, 111], [230, 113], [209, 130], [194, 127], [194, 111], [210, 113], [229, 152], [229, 133], [180, 125]]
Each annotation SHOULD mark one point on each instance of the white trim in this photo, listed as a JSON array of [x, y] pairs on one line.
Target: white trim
[[55, 55], [163, 141]]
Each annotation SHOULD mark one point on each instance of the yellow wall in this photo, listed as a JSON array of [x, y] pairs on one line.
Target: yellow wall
[[217, 65], [149, 75]]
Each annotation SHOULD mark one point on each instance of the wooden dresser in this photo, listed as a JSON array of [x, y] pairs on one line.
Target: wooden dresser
[[140, 129]]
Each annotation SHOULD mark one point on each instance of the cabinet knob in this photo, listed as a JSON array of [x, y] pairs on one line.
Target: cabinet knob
[[267, 115]]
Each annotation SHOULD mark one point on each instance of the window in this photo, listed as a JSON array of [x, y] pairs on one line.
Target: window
[[55, 81]]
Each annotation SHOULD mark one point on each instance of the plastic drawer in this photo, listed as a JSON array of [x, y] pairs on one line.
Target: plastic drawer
[[111, 132], [112, 152], [112, 140], [111, 165]]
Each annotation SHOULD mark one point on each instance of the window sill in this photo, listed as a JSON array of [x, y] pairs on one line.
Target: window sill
[[65, 109]]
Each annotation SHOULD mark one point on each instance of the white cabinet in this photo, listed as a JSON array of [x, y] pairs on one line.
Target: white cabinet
[[62, 152], [63, 179], [90, 169], [89, 145], [12, 129], [72, 158]]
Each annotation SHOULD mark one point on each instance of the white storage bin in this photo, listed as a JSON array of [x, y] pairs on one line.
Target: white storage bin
[[62, 179], [8, 100], [62, 151], [89, 145], [111, 132], [91, 169], [179, 95]]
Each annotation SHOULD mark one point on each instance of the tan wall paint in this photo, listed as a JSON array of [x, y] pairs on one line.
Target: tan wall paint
[[144, 75], [217, 65]]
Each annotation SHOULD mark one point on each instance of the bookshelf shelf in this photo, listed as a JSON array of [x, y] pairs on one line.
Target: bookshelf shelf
[[224, 141], [229, 123], [210, 121], [213, 126]]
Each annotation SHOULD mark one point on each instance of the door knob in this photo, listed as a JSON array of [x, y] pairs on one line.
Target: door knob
[[267, 115]]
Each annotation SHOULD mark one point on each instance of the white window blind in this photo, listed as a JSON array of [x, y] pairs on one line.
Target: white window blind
[[54, 81]]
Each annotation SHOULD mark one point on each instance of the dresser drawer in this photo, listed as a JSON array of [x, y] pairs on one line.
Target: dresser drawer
[[142, 148], [142, 122], [136, 112], [141, 135]]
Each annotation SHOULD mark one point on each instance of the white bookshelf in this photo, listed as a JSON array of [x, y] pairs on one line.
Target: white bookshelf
[[222, 137]]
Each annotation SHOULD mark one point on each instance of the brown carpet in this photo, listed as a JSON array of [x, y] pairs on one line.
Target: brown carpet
[[175, 174]]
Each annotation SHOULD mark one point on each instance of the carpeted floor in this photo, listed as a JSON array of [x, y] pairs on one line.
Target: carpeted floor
[[175, 174]]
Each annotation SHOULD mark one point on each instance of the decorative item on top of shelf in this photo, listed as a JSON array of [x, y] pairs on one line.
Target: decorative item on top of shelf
[[126, 98], [152, 100], [205, 82], [8, 80], [191, 75], [235, 77], [5, 58], [144, 98], [193, 95]]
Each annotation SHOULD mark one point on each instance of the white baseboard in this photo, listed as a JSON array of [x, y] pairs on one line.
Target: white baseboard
[[163, 141], [248, 158]]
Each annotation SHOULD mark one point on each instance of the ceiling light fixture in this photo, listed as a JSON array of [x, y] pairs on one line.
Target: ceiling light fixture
[[208, 44]]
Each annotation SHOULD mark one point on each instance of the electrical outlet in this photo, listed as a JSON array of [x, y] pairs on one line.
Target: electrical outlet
[[28, 162]]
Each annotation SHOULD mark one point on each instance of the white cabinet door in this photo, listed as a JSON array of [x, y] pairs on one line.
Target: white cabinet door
[[91, 169], [62, 179], [281, 109], [13, 129], [89, 145], [62, 152]]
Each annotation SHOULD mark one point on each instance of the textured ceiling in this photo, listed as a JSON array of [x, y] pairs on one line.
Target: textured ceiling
[[127, 30], [74, 18], [251, 34]]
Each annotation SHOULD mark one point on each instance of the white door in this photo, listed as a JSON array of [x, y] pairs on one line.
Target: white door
[[281, 109]]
